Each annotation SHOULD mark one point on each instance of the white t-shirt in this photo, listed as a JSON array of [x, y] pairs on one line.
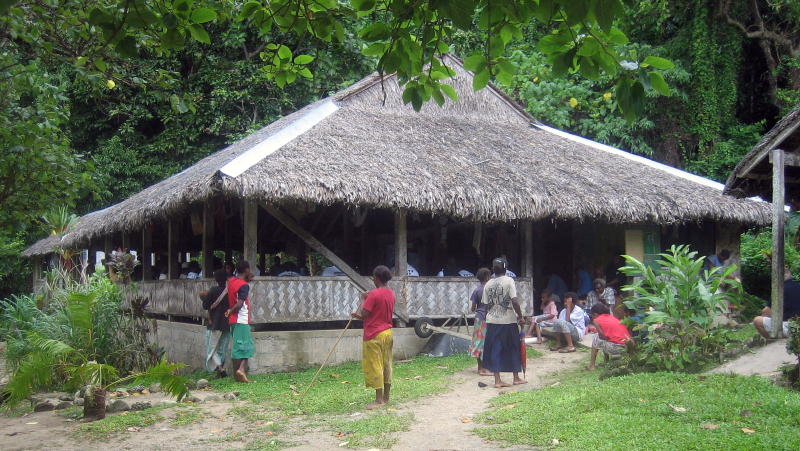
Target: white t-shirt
[[576, 317], [497, 295]]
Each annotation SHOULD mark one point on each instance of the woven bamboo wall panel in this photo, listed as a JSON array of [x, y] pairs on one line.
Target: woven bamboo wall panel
[[310, 299]]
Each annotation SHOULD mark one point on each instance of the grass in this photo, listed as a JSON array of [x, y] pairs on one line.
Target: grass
[[71, 413], [186, 417], [373, 431], [634, 412], [268, 445], [115, 424], [340, 388]]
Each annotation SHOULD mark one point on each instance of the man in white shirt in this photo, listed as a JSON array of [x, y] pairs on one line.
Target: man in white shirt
[[501, 350]]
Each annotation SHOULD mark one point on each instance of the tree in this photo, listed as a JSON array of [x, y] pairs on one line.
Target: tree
[[775, 26]]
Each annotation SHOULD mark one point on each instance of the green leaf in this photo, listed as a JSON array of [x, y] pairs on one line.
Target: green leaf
[[203, 15], [616, 36], [305, 73], [658, 84], [303, 59], [589, 69], [576, 10], [284, 53], [481, 79], [199, 33], [182, 5], [249, 8], [376, 49], [375, 32], [100, 64], [657, 63], [172, 39], [605, 11], [363, 5], [449, 91], [437, 97], [589, 47], [554, 43], [475, 63]]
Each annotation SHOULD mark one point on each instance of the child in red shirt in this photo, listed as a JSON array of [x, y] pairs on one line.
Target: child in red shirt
[[376, 310], [612, 335]]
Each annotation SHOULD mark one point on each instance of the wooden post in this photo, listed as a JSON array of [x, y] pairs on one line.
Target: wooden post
[[250, 245], [400, 244], [208, 240], [778, 216], [527, 230], [126, 241], [37, 269], [401, 260], [147, 249], [107, 249], [172, 250]]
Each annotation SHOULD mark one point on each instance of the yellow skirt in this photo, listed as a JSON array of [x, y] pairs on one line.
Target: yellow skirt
[[377, 360]]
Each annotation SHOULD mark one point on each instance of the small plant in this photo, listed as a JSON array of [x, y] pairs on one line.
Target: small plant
[[121, 266], [679, 301]]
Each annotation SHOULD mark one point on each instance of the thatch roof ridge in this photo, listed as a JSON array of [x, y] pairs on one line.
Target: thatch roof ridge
[[760, 150]]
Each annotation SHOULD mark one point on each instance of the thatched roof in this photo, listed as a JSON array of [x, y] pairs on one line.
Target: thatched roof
[[480, 159], [752, 176]]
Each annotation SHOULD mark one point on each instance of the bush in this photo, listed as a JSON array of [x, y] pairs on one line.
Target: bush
[[756, 251], [114, 337], [679, 301]]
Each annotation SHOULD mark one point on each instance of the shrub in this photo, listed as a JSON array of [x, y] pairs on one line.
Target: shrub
[[756, 251], [679, 301]]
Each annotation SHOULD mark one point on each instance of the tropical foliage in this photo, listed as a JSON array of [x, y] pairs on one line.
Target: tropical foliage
[[80, 338], [678, 301]]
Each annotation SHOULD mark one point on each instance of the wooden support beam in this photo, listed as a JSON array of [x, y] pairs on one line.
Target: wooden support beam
[[778, 217], [361, 282], [401, 260], [527, 243], [126, 241], [172, 250], [107, 248], [400, 244], [789, 159], [208, 240], [147, 249], [250, 245]]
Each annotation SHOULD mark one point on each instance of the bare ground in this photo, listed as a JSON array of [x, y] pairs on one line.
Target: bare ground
[[442, 422]]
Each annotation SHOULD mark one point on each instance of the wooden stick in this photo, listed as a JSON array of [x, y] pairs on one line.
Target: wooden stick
[[314, 379]]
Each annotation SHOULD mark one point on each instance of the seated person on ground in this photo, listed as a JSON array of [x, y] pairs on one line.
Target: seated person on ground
[[600, 293], [791, 307], [549, 313], [612, 335], [570, 325]]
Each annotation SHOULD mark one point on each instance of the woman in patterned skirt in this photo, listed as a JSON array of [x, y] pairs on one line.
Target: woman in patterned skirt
[[478, 335]]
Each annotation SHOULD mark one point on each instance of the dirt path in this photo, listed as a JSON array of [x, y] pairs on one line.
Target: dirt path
[[441, 422], [444, 422], [764, 361]]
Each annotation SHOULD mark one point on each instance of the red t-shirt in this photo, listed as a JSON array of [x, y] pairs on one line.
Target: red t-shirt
[[615, 331], [380, 304]]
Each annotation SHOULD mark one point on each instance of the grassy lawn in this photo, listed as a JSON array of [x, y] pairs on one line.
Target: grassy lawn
[[115, 424], [649, 411], [373, 431], [340, 389]]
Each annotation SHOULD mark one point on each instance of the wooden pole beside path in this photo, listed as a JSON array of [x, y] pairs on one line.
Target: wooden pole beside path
[[778, 260], [325, 362]]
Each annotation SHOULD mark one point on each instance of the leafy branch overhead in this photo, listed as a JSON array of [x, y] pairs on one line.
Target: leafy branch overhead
[[404, 36]]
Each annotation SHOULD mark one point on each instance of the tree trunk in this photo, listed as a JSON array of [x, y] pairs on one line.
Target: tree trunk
[[94, 405]]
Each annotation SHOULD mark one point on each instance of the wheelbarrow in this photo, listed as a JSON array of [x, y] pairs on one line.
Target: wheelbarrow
[[447, 339]]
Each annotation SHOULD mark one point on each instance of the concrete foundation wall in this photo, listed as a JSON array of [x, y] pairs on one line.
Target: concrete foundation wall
[[280, 351]]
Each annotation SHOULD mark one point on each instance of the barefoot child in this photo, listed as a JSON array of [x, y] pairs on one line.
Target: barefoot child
[[376, 311], [501, 351], [479, 332], [238, 314], [549, 313], [570, 326]]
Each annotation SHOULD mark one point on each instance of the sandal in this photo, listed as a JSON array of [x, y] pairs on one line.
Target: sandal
[[566, 350]]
